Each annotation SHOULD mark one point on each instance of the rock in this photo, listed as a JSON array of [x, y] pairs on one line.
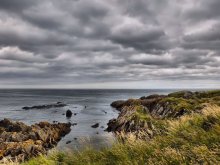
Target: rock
[[117, 104], [20, 142], [69, 113], [95, 125], [128, 122], [111, 125], [104, 111], [144, 114], [47, 106], [73, 124], [75, 114], [68, 142]]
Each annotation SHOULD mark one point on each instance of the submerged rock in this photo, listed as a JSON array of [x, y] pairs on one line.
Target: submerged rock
[[95, 125], [46, 106], [68, 142], [21, 142]]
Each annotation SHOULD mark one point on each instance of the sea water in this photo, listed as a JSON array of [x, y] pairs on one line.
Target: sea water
[[91, 107]]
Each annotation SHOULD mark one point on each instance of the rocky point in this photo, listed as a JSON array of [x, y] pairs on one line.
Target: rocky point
[[19, 142], [148, 114]]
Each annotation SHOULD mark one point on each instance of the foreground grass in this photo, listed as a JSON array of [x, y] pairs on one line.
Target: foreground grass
[[191, 139]]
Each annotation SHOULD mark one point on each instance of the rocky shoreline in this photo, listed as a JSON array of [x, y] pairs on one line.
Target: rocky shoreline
[[145, 117], [148, 114], [20, 142]]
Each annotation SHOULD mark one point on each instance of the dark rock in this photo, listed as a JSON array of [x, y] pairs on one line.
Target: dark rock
[[95, 125], [75, 114], [117, 104], [206, 126], [47, 106], [73, 124], [104, 111], [111, 125], [68, 142], [75, 138], [69, 113]]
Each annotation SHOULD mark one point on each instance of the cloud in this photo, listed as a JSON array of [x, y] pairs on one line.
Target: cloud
[[94, 41]]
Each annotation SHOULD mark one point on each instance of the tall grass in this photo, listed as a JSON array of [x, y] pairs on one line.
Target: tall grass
[[191, 139]]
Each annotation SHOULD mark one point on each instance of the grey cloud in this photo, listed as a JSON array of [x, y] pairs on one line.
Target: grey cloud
[[203, 10], [89, 41], [204, 39]]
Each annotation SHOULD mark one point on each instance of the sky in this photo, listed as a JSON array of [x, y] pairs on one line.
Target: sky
[[110, 44]]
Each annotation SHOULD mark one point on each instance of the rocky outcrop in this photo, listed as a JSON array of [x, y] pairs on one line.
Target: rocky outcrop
[[47, 106], [118, 104], [131, 120], [148, 113], [20, 142]]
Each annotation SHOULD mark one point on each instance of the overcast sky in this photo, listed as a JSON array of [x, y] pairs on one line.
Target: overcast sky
[[110, 43]]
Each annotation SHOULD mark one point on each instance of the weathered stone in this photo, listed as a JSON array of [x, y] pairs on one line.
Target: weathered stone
[[69, 113], [21, 142]]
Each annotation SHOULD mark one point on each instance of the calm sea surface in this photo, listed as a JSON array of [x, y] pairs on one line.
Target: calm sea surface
[[97, 102]]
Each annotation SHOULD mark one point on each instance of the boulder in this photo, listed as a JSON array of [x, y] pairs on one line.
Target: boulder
[[69, 113]]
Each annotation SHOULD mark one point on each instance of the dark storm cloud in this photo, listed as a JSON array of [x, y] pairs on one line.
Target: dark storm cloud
[[85, 41], [202, 10], [14, 5]]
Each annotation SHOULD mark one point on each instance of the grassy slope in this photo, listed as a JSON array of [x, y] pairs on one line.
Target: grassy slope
[[191, 139]]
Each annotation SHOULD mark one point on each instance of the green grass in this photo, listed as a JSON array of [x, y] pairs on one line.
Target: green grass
[[191, 139]]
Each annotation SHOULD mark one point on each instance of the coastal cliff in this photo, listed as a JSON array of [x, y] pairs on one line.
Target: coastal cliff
[[148, 115]]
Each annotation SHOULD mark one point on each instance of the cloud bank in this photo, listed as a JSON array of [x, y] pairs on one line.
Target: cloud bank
[[85, 43]]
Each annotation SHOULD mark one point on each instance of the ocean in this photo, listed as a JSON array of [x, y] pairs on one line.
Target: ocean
[[91, 106]]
